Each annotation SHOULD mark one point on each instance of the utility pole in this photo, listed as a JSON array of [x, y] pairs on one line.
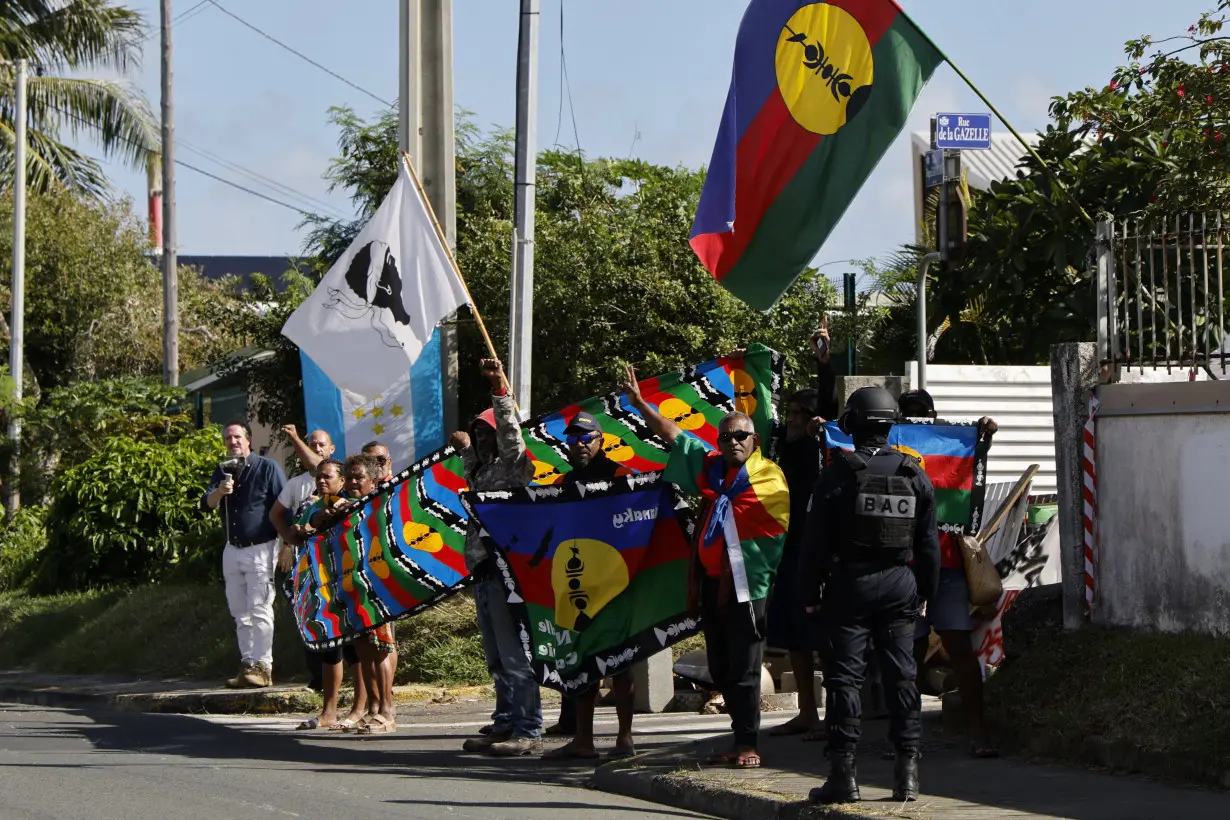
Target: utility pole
[[521, 310], [410, 93], [17, 322], [170, 271], [439, 163]]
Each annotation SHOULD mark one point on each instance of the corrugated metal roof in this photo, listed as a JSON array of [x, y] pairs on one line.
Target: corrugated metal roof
[[998, 162], [1018, 398]]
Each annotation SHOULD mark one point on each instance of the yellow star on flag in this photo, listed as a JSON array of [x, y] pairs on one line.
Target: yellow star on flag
[[396, 410], [359, 412], [377, 428], [377, 411]]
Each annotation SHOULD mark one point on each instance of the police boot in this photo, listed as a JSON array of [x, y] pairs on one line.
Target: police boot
[[842, 785], [905, 777]]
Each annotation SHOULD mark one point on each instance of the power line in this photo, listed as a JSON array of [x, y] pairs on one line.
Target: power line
[[297, 53], [180, 162], [257, 177], [182, 17], [576, 136]]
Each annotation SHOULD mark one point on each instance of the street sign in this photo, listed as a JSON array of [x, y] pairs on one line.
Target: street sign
[[933, 168], [963, 131]]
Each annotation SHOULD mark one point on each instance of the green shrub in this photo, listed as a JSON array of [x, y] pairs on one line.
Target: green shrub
[[21, 540], [129, 513]]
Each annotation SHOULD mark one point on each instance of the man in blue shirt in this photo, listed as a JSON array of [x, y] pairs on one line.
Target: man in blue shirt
[[244, 488]]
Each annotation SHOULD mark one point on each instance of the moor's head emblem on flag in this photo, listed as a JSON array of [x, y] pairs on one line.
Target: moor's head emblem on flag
[[824, 67], [373, 290]]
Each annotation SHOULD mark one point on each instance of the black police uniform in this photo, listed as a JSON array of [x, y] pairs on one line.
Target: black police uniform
[[872, 512]]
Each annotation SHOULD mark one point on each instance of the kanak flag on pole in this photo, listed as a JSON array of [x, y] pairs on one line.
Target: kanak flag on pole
[[819, 91], [368, 333]]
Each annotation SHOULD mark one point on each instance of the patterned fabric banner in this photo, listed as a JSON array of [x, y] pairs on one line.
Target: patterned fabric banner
[[402, 550], [596, 574], [953, 458]]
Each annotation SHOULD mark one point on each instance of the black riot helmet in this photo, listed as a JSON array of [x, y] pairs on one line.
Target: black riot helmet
[[868, 408]]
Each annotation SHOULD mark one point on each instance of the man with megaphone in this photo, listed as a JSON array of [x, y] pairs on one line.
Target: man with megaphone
[[245, 487]]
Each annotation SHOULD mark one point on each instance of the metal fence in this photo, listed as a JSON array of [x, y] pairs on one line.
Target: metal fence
[[1161, 294]]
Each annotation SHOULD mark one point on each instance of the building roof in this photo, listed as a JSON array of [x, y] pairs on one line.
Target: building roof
[[242, 267]]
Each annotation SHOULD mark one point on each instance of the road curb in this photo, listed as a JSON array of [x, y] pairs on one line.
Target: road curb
[[681, 791], [239, 702]]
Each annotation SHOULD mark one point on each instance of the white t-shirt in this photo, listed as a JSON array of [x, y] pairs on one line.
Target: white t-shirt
[[296, 492]]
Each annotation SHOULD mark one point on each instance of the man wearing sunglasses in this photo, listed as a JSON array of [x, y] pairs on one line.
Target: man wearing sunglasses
[[744, 514], [589, 463]]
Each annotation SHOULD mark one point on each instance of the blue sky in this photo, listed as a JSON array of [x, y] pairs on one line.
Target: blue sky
[[647, 77]]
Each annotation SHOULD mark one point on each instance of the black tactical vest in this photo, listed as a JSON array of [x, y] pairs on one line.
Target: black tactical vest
[[879, 526]]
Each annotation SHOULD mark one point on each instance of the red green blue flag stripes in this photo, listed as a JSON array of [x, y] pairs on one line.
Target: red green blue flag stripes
[[402, 550], [819, 91], [954, 459]]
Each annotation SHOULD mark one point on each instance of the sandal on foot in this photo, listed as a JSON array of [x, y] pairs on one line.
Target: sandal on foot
[[745, 760], [344, 725], [310, 725], [721, 759], [378, 725]]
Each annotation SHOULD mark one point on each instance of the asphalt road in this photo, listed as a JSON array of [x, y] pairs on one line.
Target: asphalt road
[[71, 763]]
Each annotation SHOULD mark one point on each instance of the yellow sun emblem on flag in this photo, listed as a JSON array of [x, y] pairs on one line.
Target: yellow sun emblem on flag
[[824, 67], [910, 451]]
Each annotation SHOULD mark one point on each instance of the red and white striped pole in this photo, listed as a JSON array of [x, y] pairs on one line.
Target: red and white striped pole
[[1091, 504]]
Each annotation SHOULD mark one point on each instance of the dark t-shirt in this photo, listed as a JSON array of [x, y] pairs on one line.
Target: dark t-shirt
[[246, 511], [598, 469]]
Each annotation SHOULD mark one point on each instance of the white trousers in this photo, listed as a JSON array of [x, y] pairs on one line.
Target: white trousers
[[248, 573]]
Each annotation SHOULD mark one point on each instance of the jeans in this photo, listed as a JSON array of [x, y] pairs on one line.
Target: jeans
[[877, 608], [517, 704], [248, 573]]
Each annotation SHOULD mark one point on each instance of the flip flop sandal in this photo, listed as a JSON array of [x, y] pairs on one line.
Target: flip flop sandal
[[564, 753], [379, 725], [344, 725], [744, 761], [308, 725]]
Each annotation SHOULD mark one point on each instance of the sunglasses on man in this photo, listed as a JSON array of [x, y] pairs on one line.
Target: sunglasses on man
[[736, 435], [584, 438]]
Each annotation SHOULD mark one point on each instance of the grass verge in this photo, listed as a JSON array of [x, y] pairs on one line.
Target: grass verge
[[186, 631], [1152, 702]]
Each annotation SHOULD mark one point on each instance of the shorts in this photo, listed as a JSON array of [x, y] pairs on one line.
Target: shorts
[[339, 653], [948, 611]]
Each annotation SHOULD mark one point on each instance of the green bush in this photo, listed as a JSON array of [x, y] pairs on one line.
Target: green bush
[[129, 513], [21, 541]]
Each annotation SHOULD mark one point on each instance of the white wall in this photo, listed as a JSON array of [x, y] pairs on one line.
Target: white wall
[[1163, 559], [1018, 398]]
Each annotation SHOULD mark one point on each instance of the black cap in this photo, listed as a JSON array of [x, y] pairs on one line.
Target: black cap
[[916, 397], [582, 423]]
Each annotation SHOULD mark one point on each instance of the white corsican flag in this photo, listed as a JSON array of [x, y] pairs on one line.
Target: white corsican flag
[[368, 334]]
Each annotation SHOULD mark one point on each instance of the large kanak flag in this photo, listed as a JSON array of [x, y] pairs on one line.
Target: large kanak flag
[[368, 333]]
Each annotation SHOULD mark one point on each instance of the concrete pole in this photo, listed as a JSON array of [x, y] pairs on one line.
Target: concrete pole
[[521, 309], [17, 319], [410, 93], [170, 272], [439, 164]]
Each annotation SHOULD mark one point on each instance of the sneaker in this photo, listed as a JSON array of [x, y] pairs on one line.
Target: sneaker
[[482, 744], [240, 680], [258, 676], [515, 747]]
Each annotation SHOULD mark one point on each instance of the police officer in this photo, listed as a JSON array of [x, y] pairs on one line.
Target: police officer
[[872, 512]]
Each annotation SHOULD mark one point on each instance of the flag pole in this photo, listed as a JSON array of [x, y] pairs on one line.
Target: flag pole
[[1029, 148], [431, 212]]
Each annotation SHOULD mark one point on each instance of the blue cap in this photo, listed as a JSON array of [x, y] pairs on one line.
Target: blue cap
[[582, 423]]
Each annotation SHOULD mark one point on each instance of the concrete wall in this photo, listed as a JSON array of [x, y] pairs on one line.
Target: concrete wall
[[1163, 559]]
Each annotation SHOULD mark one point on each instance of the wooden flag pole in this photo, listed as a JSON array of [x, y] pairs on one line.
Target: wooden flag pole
[[431, 212]]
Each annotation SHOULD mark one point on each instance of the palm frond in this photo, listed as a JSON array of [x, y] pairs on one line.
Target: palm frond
[[71, 33], [108, 111], [50, 162]]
